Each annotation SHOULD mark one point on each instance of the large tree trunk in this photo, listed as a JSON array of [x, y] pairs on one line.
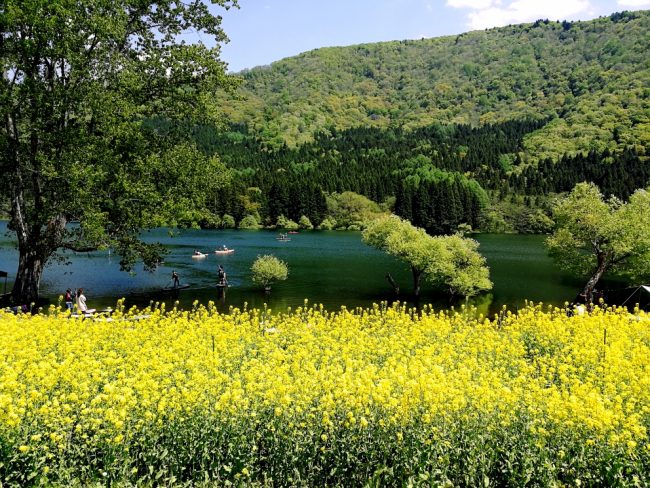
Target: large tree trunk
[[28, 277], [36, 244], [417, 278], [588, 290]]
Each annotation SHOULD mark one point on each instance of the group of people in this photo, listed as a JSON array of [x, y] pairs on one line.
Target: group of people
[[221, 274], [77, 297]]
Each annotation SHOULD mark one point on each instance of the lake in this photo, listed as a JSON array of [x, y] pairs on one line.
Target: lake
[[325, 267]]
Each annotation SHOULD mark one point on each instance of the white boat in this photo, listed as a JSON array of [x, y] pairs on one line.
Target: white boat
[[199, 255], [224, 251]]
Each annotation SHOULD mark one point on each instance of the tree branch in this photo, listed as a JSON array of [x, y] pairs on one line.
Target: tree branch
[[393, 283]]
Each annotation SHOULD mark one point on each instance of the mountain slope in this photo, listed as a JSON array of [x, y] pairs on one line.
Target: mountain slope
[[591, 80]]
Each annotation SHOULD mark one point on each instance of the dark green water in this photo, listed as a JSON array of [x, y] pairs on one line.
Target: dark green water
[[330, 268]]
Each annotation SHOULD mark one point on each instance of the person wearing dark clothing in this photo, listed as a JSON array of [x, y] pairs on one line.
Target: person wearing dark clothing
[[221, 273], [68, 299], [176, 281]]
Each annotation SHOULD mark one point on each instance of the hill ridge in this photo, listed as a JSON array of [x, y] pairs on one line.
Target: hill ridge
[[589, 78]]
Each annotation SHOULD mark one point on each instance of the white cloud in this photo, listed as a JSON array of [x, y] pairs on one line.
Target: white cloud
[[474, 4], [498, 13], [634, 3]]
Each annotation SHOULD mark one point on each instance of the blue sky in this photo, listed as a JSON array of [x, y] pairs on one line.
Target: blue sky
[[263, 31]]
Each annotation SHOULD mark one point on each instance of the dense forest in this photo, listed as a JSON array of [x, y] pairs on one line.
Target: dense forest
[[438, 177], [481, 129], [589, 81]]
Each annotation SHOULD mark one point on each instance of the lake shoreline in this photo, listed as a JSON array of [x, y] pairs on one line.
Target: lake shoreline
[[330, 267]]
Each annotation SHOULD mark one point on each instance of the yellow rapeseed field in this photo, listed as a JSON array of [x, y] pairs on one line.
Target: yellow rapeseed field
[[381, 396]]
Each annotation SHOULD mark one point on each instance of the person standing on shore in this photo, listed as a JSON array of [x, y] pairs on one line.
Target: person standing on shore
[[68, 299], [81, 301]]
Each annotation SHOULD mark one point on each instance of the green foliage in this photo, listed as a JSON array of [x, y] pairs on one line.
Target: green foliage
[[464, 271], [249, 222], [513, 215], [285, 223], [327, 224], [419, 175], [590, 79], [268, 269], [595, 236], [450, 262], [305, 223], [80, 83], [350, 209], [228, 222]]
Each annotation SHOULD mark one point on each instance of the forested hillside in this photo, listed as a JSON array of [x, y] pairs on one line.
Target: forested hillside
[[438, 177], [588, 81], [480, 130]]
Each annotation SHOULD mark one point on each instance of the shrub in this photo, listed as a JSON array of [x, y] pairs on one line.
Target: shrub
[[269, 269], [249, 222]]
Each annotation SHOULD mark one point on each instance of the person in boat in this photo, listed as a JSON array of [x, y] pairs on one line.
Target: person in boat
[[224, 248], [175, 280], [221, 274], [197, 252]]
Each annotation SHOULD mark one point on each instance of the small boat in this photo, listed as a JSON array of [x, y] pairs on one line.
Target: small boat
[[283, 238], [175, 288], [199, 255], [224, 251], [293, 232]]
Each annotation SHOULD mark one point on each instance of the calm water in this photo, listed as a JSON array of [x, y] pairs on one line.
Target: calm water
[[332, 268]]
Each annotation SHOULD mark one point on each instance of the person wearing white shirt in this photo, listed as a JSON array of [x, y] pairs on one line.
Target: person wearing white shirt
[[81, 301]]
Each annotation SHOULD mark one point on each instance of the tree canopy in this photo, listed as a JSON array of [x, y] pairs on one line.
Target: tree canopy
[[268, 269], [449, 262], [80, 81], [587, 81], [594, 236]]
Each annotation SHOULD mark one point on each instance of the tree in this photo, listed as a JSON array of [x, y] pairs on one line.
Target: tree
[[349, 208], [305, 223], [81, 84], [268, 269], [228, 221], [594, 236], [465, 273], [249, 222], [285, 223], [451, 261]]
